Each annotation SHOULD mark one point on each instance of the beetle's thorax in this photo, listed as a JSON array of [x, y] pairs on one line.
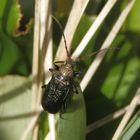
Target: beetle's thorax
[[66, 70]]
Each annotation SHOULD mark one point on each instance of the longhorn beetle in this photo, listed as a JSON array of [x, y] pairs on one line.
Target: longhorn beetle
[[61, 87]]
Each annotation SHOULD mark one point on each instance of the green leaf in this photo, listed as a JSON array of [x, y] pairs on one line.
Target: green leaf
[[15, 106], [73, 124], [15, 52], [9, 54], [132, 127], [43, 126], [134, 18], [123, 74], [9, 15]]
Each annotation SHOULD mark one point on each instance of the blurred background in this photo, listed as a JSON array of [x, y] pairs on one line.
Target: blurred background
[[113, 85]]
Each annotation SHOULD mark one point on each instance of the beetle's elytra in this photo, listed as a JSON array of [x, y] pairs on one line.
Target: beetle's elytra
[[61, 87]]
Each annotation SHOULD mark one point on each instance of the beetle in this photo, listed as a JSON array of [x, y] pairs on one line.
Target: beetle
[[58, 93]]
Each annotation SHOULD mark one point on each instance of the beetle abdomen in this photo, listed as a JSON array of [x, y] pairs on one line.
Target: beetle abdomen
[[56, 94]]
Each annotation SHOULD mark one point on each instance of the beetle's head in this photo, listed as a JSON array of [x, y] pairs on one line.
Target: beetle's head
[[67, 69]]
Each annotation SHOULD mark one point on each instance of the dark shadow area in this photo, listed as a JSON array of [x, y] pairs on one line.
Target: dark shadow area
[[27, 12]]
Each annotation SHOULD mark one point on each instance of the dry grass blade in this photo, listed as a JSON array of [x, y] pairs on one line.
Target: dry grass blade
[[36, 64], [46, 49], [45, 21], [127, 115], [42, 47], [36, 48], [72, 23], [108, 6], [110, 38]]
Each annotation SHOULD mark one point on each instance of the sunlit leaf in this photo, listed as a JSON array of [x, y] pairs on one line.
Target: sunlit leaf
[[15, 106], [10, 16]]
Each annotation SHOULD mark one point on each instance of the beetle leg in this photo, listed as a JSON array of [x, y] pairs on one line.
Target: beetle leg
[[44, 86], [65, 106], [60, 115], [51, 70], [77, 73], [63, 110], [58, 62], [66, 95], [74, 87], [65, 102], [56, 67]]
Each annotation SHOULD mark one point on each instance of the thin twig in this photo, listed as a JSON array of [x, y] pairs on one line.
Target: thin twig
[[127, 115], [72, 23], [102, 15], [108, 41]]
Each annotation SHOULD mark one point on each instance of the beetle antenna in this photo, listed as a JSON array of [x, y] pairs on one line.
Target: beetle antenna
[[105, 49], [60, 26]]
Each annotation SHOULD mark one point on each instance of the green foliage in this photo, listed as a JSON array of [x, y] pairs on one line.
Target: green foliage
[[73, 124], [10, 16], [112, 87], [15, 108], [9, 53], [43, 128], [15, 48]]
